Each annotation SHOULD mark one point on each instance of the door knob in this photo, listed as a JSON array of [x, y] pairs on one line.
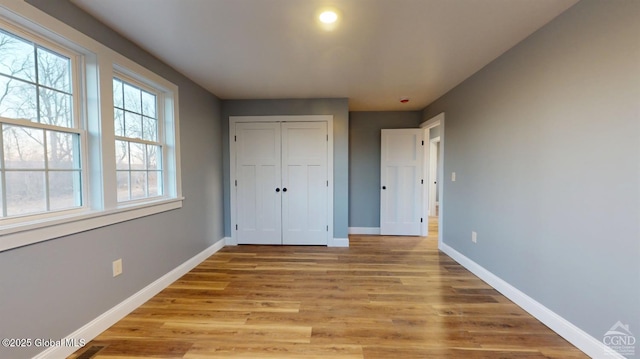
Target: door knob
[[384, 187], [277, 189], [284, 189]]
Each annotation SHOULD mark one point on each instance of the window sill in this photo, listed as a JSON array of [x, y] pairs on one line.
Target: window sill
[[25, 233]]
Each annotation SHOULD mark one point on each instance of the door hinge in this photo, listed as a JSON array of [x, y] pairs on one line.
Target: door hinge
[[420, 220], [236, 227], [327, 228], [235, 138], [423, 143], [327, 138], [327, 183], [421, 182], [236, 183]]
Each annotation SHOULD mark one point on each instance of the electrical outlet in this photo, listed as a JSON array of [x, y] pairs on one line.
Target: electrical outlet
[[453, 176], [474, 237], [117, 267]]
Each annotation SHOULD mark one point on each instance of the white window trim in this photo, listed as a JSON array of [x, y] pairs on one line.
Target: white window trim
[[44, 230], [102, 208], [165, 118], [169, 100]]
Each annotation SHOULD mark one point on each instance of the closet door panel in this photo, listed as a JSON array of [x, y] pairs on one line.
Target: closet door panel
[[304, 166], [258, 172]]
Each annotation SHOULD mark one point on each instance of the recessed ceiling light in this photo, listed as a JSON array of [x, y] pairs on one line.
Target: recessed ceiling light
[[328, 17]]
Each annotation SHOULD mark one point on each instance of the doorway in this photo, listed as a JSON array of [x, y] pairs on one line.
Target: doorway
[[433, 176], [433, 172]]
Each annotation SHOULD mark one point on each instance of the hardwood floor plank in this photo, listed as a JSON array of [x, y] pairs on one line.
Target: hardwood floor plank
[[390, 336], [199, 284], [187, 315], [274, 350], [270, 333], [235, 305], [377, 352], [144, 348], [383, 297]]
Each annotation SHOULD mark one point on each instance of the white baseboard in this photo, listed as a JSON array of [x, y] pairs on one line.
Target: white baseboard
[[574, 335], [92, 329], [364, 230], [338, 242]]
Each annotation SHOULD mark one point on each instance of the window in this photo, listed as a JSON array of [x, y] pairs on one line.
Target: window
[[72, 156], [138, 150], [40, 167]]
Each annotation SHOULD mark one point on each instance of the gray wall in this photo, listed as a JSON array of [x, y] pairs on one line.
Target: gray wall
[[50, 289], [339, 108], [364, 161], [545, 142]]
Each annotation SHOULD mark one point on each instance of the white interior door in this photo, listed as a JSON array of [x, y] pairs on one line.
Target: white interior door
[[258, 190], [400, 176], [304, 182]]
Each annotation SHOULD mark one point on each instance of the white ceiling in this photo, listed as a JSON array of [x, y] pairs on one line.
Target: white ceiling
[[380, 51]]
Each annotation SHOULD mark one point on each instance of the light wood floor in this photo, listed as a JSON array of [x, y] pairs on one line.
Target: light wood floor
[[384, 297]]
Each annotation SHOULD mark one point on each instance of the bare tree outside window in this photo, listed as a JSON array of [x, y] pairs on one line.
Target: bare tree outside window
[[40, 153]]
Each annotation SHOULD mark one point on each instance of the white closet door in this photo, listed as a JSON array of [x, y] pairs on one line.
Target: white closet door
[[400, 177], [258, 191], [304, 176]]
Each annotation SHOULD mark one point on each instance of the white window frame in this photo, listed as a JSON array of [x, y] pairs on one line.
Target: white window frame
[[161, 96], [169, 134], [98, 64], [77, 126]]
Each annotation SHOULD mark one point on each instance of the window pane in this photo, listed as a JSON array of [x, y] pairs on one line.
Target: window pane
[[155, 183], [138, 158], [149, 129], [1, 201], [133, 125], [148, 104], [20, 100], [54, 70], [117, 93], [118, 122], [64, 190], [154, 154], [122, 155], [55, 108], [23, 147], [138, 184], [16, 57], [132, 101], [61, 150], [123, 185], [25, 192]]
